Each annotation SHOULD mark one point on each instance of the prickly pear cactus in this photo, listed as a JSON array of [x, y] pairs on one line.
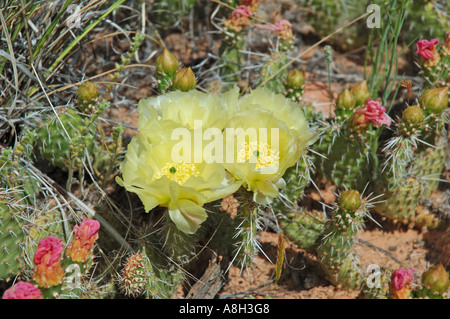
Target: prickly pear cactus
[[400, 201], [414, 159], [303, 227], [347, 143], [335, 252], [181, 247], [12, 238], [140, 278], [54, 137], [348, 163], [297, 178]]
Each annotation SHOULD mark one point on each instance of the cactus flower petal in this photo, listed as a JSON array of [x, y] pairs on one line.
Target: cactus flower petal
[[47, 259], [22, 290], [427, 49], [84, 237]]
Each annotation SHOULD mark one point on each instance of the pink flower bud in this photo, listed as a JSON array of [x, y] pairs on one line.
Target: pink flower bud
[[372, 112], [22, 290], [47, 259], [427, 49], [84, 237], [401, 283], [49, 251], [242, 12]]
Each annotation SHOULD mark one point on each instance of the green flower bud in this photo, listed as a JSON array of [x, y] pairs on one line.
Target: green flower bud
[[184, 80], [346, 100], [295, 79], [436, 279], [434, 100], [166, 63], [87, 91], [413, 114], [360, 92], [350, 200]]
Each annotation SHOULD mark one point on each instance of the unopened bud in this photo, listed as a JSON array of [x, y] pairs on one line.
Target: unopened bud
[[436, 279], [295, 79], [346, 100], [87, 91], [360, 92], [434, 100], [413, 114], [184, 80], [166, 63], [350, 200]]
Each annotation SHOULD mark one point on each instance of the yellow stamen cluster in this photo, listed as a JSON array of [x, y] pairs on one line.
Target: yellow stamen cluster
[[262, 152], [178, 172]]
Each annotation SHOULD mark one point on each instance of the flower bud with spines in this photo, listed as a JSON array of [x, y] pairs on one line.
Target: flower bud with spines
[[345, 104], [435, 100], [435, 282], [335, 251], [294, 85], [412, 120], [166, 66]]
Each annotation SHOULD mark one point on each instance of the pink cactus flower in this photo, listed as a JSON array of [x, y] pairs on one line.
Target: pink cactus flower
[[242, 12], [84, 237], [401, 281], [49, 251], [47, 259], [427, 49], [372, 112], [22, 290]]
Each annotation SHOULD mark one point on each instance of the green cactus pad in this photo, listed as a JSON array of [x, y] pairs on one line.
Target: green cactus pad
[[53, 138], [12, 239], [303, 228], [335, 251], [348, 163]]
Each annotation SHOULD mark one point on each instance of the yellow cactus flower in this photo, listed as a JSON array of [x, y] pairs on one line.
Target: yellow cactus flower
[[281, 108], [267, 135], [186, 107], [165, 173]]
